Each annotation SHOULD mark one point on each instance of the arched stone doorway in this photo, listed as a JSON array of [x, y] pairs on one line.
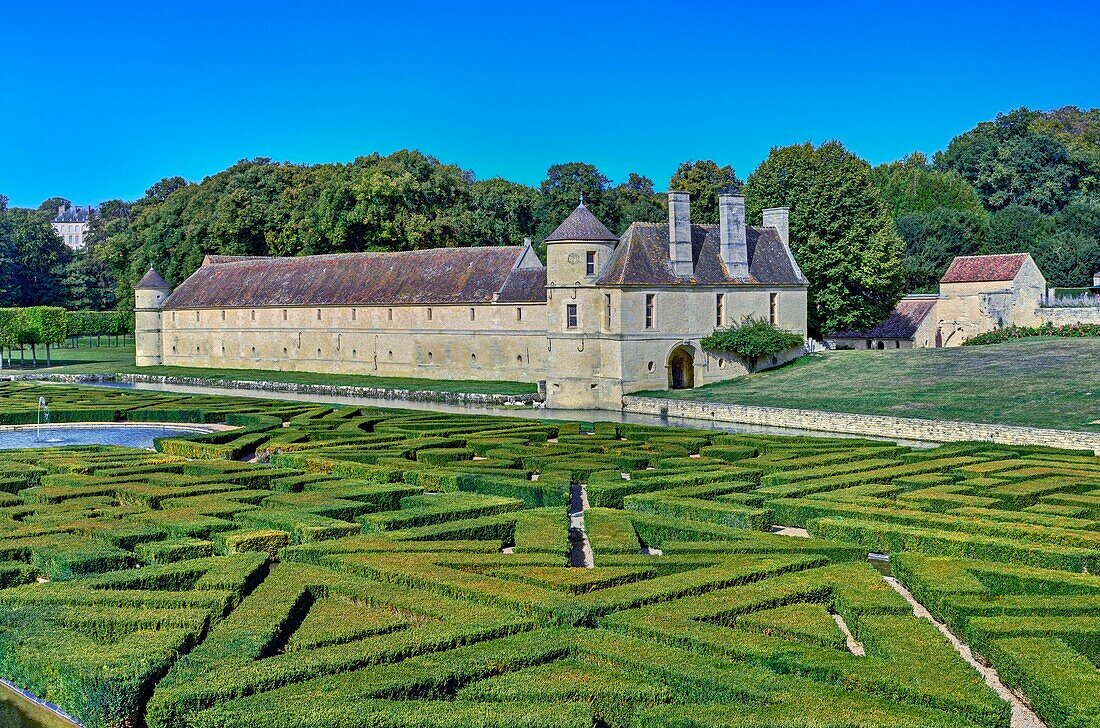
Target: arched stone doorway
[[681, 368]]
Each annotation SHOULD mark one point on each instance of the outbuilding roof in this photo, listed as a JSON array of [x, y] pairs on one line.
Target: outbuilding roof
[[152, 279], [76, 213], [437, 276], [902, 323], [979, 268], [581, 225], [642, 258]]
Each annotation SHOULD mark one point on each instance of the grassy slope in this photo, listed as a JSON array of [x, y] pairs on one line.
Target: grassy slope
[[97, 360], [1044, 382]]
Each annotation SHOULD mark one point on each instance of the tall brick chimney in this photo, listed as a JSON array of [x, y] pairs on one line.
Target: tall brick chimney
[[679, 234], [731, 230]]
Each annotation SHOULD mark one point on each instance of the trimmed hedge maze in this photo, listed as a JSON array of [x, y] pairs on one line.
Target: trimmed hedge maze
[[339, 566]]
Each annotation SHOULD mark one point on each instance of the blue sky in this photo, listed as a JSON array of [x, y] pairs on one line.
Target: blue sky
[[100, 100]]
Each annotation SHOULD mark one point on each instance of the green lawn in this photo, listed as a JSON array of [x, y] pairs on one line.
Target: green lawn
[[1042, 382], [120, 360]]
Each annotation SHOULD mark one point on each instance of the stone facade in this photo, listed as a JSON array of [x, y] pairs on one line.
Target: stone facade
[[71, 224], [605, 317]]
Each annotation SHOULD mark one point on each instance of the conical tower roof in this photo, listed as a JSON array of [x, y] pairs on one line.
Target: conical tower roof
[[581, 226], [153, 280]]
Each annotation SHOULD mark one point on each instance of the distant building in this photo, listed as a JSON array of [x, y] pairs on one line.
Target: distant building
[[605, 317], [71, 223], [978, 293], [911, 324]]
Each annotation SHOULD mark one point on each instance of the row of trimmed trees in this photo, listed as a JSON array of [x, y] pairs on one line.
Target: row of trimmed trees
[[50, 326]]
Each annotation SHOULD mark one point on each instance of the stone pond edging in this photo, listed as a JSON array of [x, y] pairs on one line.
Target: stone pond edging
[[907, 428], [410, 395]]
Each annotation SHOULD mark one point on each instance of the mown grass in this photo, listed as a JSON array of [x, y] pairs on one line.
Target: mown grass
[[120, 360], [1042, 382]]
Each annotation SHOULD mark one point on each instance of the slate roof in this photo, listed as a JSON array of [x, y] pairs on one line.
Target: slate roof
[[642, 258], [581, 225], [438, 276], [152, 279], [902, 323], [76, 213], [978, 268]]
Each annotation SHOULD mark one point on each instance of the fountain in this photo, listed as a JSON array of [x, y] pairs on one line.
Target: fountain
[[43, 419]]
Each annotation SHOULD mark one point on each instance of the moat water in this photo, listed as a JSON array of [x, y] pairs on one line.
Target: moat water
[[60, 435], [527, 412]]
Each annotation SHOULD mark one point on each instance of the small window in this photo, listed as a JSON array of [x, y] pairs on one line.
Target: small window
[[284, 314], [519, 359], [650, 366], [253, 351], [390, 354], [719, 309], [318, 352], [196, 316], [650, 310], [223, 314], [473, 359], [607, 310], [721, 363], [472, 315], [429, 314], [773, 308], [173, 317], [519, 313], [389, 314], [354, 314], [252, 313], [429, 357], [318, 314], [590, 263], [284, 351], [354, 353], [571, 316]]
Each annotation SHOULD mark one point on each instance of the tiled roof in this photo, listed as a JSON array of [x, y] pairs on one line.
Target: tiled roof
[[976, 268], [902, 323], [77, 213], [439, 276], [642, 258], [581, 225], [152, 279]]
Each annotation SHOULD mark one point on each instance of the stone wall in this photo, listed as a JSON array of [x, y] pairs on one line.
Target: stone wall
[[872, 425]]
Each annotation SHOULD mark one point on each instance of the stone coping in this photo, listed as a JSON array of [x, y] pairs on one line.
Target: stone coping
[[909, 428], [409, 395]]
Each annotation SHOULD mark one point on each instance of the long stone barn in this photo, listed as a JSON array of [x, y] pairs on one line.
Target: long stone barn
[[604, 317]]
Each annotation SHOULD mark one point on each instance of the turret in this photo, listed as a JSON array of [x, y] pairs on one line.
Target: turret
[[150, 293], [578, 250]]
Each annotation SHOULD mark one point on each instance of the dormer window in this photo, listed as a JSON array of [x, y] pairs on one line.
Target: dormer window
[[590, 263]]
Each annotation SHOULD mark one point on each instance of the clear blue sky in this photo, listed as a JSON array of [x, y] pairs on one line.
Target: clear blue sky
[[100, 100]]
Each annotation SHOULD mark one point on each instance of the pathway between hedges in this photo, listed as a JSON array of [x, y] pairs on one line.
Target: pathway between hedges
[[1022, 714], [580, 549]]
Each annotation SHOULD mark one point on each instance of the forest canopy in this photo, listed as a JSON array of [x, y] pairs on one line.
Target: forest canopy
[[1027, 181]]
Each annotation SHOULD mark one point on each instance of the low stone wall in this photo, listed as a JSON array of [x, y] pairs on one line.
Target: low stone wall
[[905, 428], [410, 395]]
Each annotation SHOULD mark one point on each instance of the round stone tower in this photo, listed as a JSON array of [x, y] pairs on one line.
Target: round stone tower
[[150, 293]]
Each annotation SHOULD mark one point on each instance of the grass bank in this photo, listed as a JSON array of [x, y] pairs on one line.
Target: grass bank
[[1041, 382], [120, 360]]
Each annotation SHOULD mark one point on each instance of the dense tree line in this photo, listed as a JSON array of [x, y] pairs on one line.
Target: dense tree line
[[1027, 181]]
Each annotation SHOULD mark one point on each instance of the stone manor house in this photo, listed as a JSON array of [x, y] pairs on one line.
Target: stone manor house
[[604, 317]]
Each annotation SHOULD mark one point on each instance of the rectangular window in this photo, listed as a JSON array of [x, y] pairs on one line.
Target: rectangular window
[[519, 313], [571, 316], [354, 314], [471, 314], [318, 314], [252, 314], [719, 309], [223, 314], [590, 263], [650, 310], [284, 314], [607, 310], [429, 314], [389, 314], [773, 308]]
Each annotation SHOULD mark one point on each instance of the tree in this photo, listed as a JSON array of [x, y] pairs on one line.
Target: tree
[[704, 180], [1016, 229], [50, 205], [752, 339], [564, 187], [911, 186], [637, 202], [32, 259], [841, 232], [932, 239], [504, 212]]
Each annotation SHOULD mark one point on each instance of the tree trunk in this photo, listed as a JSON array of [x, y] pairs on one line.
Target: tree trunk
[[34, 355], [49, 359]]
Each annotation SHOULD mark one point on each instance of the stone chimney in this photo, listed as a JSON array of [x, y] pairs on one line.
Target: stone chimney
[[679, 234], [731, 230], [776, 217]]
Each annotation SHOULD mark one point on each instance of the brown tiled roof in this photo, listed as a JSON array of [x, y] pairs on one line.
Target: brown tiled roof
[[642, 258], [524, 285], [976, 268], [152, 279], [902, 323], [581, 225], [439, 276]]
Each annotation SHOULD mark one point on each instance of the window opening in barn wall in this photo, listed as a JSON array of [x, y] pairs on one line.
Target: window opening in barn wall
[[223, 314], [429, 314], [284, 314], [719, 309], [253, 314], [519, 313], [389, 314], [571, 316], [773, 308], [607, 310], [650, 310], [471, 314]]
